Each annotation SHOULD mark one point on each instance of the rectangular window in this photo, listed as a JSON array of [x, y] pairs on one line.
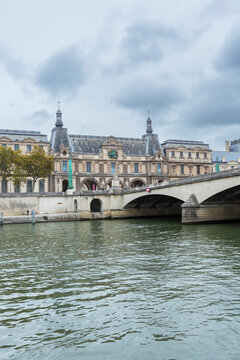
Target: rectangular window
[[64, 166], [173, 153], [136, 168], [125, 170], [181, 154], [113, 168], [182, 169], [16, 147], [205, 155], [29, 186], [101, 168], [41, 146], [198, 169], [29, 148], [4, 186], [88, 167], [4, 145], [189, 154], [159, 168], [41, 186], [17, 188], [197, 154]]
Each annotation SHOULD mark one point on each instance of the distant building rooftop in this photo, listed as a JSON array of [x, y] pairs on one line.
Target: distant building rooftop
[[18, 135], [225, 156], [189, 144]]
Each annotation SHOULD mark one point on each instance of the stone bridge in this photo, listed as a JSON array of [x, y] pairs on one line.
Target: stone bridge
[[205, 198]]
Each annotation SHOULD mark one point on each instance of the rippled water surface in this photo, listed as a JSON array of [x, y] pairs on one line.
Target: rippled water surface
[[120, 289]]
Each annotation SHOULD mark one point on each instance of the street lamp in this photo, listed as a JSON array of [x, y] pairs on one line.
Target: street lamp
[[70, 180]]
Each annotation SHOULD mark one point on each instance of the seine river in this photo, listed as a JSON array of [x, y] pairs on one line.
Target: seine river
[[120, 289]]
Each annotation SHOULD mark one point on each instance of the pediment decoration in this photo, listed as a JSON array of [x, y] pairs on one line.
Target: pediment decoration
[[29, 140], [198, 148], [233, 162], [112, 141], [159, 156], [5, 138]]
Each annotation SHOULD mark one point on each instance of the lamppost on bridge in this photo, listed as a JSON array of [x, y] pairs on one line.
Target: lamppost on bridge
[[217, 166], [70, 180]]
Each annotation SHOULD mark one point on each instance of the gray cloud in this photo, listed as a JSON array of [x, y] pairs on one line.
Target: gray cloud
[[215, 103], [62, 73], [14, 66], [146, 41], [143, 94], [229, 56], [38, 117]]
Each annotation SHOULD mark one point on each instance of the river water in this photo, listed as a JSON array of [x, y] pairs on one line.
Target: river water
[[120, 289]]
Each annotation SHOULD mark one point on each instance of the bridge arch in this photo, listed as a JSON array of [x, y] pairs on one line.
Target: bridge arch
[[155, 205], [231, 194]]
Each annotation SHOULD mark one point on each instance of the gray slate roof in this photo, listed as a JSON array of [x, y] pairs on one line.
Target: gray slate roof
[[86, 144], [19, 135], [152, 143], [228, 155], [59, 137]]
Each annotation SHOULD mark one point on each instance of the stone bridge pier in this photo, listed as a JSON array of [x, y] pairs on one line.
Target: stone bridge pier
[[193, 212]]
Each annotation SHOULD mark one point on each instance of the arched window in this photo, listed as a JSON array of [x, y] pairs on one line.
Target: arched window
[[95, 205], [41, 185], [75, 205], [64, 185], [136, 183], [29, 186]]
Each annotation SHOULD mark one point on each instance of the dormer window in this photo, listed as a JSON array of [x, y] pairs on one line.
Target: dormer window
[[64, 153]]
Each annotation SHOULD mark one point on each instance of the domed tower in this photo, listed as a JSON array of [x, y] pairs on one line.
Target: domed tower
[[152, 142], [59, 134]]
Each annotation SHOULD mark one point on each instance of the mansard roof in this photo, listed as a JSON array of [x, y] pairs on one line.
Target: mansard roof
[[59, 138], [87, 144]]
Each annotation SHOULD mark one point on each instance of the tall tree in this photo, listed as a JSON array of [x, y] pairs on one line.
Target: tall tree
[[11, 165], [37, 164]]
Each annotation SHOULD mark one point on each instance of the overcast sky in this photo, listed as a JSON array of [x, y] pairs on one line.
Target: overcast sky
[[109, 61]]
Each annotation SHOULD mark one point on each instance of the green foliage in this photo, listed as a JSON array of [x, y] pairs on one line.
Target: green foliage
[[37, 165], [11, 165], [17, 167]]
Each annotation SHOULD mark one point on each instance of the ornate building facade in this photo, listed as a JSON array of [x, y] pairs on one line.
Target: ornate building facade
[[187, 158], [136, 161], [24, 140], [96, 160]]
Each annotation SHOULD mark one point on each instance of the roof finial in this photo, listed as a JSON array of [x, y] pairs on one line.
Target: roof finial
[[149, 124], [59, 122]]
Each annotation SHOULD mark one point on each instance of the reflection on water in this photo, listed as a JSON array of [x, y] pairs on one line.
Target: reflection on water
[[120, 289]]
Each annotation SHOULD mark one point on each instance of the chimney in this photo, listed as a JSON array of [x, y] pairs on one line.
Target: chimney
[[227, 148]]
